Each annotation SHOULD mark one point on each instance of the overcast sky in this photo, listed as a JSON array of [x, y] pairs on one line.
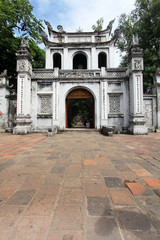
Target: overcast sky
[[72, 14]]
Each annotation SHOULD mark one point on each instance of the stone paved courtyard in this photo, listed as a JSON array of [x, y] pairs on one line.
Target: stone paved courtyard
[[79, 186]]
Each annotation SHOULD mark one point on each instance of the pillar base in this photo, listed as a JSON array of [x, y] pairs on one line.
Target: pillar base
[[23, 123], [137, 125]]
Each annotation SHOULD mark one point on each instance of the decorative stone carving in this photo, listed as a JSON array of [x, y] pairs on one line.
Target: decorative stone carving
[[60, 28], [138, 64], [48, 25], [21, 94], [46, 106], [39, 75], [110, 25], [25, 43], [113, 74], [138, 101], [56, 103], [114, 104], [76, 74], [135, 40], [104, 101], [23, 65], [44, 37]]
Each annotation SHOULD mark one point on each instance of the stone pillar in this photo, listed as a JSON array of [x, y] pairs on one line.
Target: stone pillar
[[157, 91], [137, 118], [104, 115], [4, 102], [24, 69], [111, 56]]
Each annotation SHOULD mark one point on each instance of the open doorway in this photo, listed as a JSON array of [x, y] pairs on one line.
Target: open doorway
[[80, 109]]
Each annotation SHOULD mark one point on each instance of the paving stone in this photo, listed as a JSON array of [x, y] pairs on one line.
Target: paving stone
[[121, 167], [134, 166], [134, 235], [99, 206], [32, 183], [53, 178], [4, 235], [150, 204], [72, 182], [65, 235], [109, 172], [95, 189], [8, 217], [7, 189], [113, 182], [67, 217], [49, 190], [157, 191], [35, 156], [71, 196], [91, 169], [90, 162], [92, 178], [128, 176], [152, 182], [102, 228], [133, 220], [58, 169], [21, 197], [156, 223], [142, 173], [41, 206], [121, 196], [6, 164], [138, 189], [102, 159], [31, 228]]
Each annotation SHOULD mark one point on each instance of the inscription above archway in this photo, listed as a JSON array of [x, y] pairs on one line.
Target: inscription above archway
[[80, 94]]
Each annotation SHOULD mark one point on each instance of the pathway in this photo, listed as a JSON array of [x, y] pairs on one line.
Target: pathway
[[79, 186]]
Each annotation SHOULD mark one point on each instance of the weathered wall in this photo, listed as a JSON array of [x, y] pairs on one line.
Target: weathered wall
[[149, 108]]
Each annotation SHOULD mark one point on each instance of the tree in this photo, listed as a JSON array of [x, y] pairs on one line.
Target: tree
[[16, 18], [98, 26], [38, 55], [144, 20]]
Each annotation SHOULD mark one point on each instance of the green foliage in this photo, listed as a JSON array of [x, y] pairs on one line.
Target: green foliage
[[17, 15], [16, 18], [144, 20], [38, 55], [81, 108], [98, 26]]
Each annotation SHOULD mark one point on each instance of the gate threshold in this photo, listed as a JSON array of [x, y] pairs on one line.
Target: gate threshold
[[81, 130]]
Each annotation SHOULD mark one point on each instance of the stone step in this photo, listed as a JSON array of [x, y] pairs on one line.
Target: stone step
[[80, 130]]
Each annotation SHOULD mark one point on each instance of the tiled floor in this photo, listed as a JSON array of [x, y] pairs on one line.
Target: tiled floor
[[79, 186]]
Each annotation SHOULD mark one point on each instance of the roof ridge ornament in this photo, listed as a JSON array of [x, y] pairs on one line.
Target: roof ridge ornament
[[135, 39], [60, 29], [110, 25], [25, 43]]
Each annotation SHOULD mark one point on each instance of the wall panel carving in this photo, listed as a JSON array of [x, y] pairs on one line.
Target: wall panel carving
[[114, 104], [45, 104]]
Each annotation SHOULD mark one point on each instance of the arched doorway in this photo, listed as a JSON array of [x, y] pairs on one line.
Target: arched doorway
[[102, 60], [80, 109], [57, 60], [79, 61]]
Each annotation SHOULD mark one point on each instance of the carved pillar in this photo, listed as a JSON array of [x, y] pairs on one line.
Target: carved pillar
[[104, 116], [157, 90], [137, 118], [24, 69], [4, 102]]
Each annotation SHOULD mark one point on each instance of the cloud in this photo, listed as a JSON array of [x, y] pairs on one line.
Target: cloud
[[72, 14]]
